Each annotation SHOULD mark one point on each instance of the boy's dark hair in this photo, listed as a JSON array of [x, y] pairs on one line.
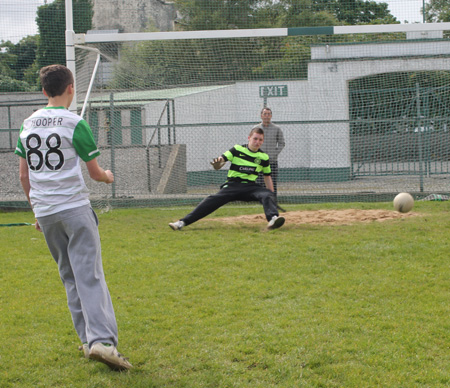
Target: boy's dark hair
[[256, 130], [55, 79], [266, 108]]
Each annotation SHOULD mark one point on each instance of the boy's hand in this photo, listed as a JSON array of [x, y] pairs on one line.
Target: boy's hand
[[217, 163], [109, 176], [37, 226]]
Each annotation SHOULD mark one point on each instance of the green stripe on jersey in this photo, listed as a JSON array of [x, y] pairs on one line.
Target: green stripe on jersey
[[246, 164], [83, 141]]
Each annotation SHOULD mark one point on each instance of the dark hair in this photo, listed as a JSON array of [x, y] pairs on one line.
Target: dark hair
[[256, 130], [55, 79], [266, 108]]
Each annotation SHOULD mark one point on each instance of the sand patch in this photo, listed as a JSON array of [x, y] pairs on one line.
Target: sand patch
[[323, 217]]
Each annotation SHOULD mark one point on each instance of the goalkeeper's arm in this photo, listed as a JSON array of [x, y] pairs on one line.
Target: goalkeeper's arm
[[218, 163]]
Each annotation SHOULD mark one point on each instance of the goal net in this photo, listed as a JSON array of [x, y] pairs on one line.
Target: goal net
[[364, 111], [364, 115]]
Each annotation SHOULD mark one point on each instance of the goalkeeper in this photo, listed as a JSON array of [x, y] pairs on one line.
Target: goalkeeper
[[247, 161]]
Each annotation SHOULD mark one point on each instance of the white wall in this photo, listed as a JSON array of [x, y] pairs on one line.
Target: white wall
[[238, 103], [323, 97]]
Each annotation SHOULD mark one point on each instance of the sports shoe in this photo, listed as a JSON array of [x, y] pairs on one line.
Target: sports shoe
[[109, 356], [176, 225], [85, 349], [276, 222]]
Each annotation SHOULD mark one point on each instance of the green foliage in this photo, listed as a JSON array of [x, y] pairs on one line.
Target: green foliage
[[20, 63], [159, 64], [207, 15], [216, 15], [217, 305], [306, 13], [25, 51], [291, 63], [299, 13], [437, 11], [17, 64], [362, 12], [7, 59], [52, 47], [9, 84], [31, 75], [51, 22]]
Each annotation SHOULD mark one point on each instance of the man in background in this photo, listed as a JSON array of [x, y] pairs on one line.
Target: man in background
[[273, 144]]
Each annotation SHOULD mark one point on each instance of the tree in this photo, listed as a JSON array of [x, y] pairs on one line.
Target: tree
[[362, 12], [216, 15], [20, 63], [51, 23], [437, 11], [25, 51], [8, 84], [309, 13], [16, 64], [7, 59], [166, 63]]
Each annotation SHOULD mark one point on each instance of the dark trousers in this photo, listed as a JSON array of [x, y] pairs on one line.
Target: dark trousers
[[274, 169], [235, 191]]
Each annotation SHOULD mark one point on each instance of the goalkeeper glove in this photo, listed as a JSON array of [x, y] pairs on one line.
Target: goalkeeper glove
[[217, 163]]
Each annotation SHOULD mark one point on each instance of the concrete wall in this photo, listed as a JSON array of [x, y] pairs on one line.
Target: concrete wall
[[148, 165], [134, 15], [238, 103]]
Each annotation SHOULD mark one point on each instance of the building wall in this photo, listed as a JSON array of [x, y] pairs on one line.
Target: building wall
[[133, 15]]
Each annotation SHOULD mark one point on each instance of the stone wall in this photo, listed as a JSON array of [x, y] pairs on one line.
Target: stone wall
[[134, 15]]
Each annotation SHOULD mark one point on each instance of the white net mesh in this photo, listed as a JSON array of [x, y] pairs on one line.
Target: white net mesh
[[363, 106], [364, 116]]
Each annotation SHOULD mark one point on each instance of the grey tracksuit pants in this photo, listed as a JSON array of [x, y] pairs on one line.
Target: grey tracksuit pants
[[74, 242]]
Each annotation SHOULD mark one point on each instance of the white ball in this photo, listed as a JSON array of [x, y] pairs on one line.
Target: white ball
[[403, 202]]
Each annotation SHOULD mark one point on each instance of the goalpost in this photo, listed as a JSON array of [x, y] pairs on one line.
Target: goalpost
[[364, 109]]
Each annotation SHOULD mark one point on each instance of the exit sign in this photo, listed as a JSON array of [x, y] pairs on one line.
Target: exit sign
[[273, 91]]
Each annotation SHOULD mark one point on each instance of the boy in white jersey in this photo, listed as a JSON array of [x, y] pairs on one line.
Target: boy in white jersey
[[52, 141]]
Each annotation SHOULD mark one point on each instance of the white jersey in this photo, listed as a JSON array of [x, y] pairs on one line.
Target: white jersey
[[53, 140]]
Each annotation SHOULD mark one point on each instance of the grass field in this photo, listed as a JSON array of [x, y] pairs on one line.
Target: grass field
[[218, 305]]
